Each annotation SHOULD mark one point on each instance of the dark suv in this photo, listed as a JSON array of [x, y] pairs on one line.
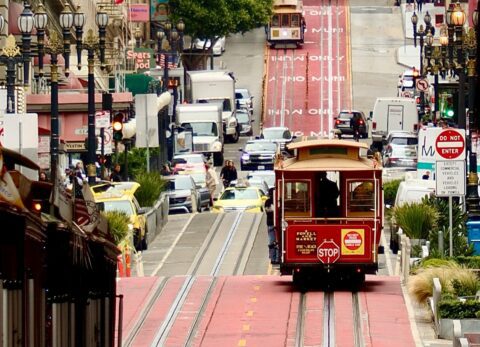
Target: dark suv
[[258, 155], [343, 126]]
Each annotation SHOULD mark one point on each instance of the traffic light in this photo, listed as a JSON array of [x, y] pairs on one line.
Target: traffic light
[[117, 126]]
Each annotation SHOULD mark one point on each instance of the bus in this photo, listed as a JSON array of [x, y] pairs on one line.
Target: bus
[[287, 25], [328, 210]]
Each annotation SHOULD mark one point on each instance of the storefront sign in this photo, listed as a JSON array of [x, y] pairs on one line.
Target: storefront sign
[[144, 58], [74, 146], [139, 12]]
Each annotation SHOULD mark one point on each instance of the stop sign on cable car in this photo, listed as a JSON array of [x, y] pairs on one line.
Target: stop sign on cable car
[[328, 252]]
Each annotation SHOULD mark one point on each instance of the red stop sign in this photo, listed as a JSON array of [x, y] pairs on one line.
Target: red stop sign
[[450, 144], [328, 252]]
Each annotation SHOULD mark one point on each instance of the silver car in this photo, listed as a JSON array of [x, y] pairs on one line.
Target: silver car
[[244, 99], [183, 194]]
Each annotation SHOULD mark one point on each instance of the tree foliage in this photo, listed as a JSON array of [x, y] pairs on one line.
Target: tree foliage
[[207, 19]]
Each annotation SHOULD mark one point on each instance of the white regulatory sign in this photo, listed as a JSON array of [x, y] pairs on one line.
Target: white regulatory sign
[[422, 84], [450, 177], [102, 119]]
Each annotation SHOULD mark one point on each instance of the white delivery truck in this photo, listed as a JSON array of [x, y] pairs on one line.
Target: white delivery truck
[[391, 114], [208, 86], [205, 120]]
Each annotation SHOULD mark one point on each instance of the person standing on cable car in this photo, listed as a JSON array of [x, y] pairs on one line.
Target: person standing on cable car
[[326, 197]]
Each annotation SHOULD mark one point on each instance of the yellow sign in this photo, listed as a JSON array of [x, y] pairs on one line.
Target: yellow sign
[[353, 242]]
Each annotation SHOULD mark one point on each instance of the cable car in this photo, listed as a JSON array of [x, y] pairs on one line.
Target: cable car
[[287, 25], [328, 211]]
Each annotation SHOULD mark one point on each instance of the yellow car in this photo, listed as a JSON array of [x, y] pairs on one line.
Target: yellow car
[[248, 199], [110, 196]]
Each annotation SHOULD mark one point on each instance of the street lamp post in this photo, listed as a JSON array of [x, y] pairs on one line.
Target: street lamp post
[[421, 33], [11, 56], [25, 24], [458, 20]]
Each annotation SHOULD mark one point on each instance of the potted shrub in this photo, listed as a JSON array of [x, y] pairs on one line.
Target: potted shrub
[[151, 185]]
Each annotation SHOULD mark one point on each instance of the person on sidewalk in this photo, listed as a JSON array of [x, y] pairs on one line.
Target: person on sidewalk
[[211, 181], [419, 5]]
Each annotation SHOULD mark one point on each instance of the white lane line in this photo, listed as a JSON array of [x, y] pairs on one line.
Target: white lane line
[[170, 250], [330, 73]]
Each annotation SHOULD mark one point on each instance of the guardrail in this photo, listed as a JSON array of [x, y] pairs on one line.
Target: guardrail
[[157, 217]]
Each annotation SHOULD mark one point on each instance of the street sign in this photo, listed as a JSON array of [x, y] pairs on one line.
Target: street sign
[[102, 119], [450, 177], [450, 144], [422, 85], [328, 252]]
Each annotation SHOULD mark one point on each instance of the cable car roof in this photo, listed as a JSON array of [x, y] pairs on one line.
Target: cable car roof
[[328, 164], [316, 142]]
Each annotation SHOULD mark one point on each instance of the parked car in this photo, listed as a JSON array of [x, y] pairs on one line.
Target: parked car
[[280, 135], [218, 47], [247, 199], [343, 126], [183, 194], [258, 155], [189, 162], [400, 150], [245, 120], [244, 99], [119, 196], [267, 175], [200, 178]]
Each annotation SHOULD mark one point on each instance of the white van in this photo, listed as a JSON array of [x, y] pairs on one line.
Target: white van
[[413, 190], [391, 114]]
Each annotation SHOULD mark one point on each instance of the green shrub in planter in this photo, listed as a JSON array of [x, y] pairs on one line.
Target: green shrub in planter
[[455, 309], [151, 185], [472, 262], [415, 219], [390, 191], [118, 225], [466, 284]]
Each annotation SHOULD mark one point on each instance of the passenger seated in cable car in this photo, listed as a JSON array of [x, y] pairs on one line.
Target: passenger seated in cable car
[[326, 197]]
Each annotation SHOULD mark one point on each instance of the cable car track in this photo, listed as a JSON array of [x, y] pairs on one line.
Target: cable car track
[[162, 334]]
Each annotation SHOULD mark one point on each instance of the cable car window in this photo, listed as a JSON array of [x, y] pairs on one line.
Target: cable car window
[[295, 20], [297, 198], [275, 20], [285, 20], [360, 199]]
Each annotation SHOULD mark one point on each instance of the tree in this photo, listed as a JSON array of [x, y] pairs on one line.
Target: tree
[[212, 19]]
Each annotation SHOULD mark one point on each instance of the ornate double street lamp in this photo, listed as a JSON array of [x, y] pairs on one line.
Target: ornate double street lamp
[[11, 55], [421, 33]]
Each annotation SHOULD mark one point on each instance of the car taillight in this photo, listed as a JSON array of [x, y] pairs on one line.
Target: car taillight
[[337, 122], [360, 122], [374, 125]]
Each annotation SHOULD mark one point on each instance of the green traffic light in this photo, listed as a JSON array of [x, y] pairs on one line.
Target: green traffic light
[[449, 113]]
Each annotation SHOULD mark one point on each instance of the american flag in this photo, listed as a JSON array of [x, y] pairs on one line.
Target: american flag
[[171, 60], [80, 214]]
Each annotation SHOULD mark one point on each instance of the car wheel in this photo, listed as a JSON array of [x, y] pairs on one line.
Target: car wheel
[[339, 136], [234, 138]]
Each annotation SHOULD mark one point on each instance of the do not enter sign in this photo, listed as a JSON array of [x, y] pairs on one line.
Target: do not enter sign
[[328, 252], [450, 144]]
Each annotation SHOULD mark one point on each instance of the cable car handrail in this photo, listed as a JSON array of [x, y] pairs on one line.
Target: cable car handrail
[[330, 219]]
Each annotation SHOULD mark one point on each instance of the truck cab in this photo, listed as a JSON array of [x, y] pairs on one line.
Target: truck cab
[[205, 120]]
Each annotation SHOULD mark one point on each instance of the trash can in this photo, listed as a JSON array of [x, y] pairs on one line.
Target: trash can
[[473, 234]]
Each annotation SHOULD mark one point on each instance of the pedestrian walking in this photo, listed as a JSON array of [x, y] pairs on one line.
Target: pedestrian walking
[[211, 181], [273, 249], [228, 173], [419, 5]]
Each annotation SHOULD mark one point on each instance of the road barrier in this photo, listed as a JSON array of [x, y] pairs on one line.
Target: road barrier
[[157, 217]]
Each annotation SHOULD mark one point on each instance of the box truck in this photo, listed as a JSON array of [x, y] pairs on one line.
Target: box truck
[[205, 120], [391, 114], [207, 86]]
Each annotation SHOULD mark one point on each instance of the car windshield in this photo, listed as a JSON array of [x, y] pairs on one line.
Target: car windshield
[[180, 182], [404, 152], [346, 115], [242, 117], [225, 103], [202, 128], [194, 159], [275, 134], [270, 179], [404, 141], [117, 205], [239, 194], [260, 146], [199, 178]]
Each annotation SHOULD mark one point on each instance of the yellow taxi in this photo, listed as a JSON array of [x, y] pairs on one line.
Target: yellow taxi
[[240, 198], [119, 196]]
